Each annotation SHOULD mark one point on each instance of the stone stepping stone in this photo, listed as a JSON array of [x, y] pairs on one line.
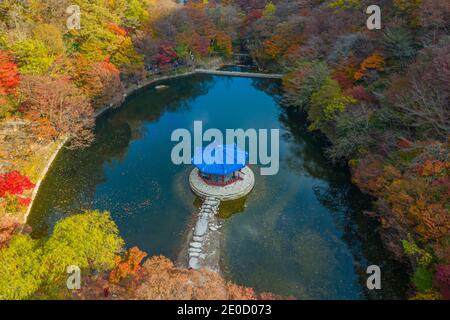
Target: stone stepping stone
[[197, 245], [197, 239], [201, 227], [193, 263]]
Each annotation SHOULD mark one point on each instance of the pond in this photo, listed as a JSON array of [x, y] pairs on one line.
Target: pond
[[300, 233]]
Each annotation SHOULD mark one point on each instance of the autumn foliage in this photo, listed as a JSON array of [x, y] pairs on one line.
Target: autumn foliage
[[100, 81], [373, 62], [14, 183], [9, 74], [157, 278], [60, 106], [408, 191], [13, 196], [162, 280], [166, 55], [8, 227], [413, 191], [359, 93], [127, 266], [442, 280], [381, 98]]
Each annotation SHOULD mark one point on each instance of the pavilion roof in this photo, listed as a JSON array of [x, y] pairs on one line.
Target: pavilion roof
[[219, 159]]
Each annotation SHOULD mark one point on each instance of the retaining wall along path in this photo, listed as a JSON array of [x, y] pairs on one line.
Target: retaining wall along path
[[241, 74]]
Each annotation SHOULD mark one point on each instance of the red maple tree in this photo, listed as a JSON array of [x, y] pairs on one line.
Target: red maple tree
[[9, 74], [14, 183], [166, 55]]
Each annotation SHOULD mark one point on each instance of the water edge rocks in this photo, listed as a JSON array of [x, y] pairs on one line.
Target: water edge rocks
[[196, 249], [193, 263], [196, 245], [201, 226]]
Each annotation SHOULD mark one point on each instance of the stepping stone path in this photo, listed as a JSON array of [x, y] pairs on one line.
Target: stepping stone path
[[208, 210]]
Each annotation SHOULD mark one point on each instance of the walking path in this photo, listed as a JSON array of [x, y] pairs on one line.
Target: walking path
[[204, 245], [188, 73], [240, 74]]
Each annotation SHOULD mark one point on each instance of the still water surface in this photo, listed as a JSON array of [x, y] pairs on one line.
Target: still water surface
[[300, 233]]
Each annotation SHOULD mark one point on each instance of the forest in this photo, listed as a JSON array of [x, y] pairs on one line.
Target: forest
[[381, 97]]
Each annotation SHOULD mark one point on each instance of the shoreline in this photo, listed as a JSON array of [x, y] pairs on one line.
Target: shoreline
[[98, 113], [42, 177], [140, 86], [214, 237]]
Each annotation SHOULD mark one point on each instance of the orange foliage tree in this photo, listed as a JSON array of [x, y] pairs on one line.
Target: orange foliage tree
[[105, 80], [372, 62], [345, 73], [414, 195], [160, 279], [198, 44], [65, 109], [127, 266], [222, 43], [274, 46], [100, 81]]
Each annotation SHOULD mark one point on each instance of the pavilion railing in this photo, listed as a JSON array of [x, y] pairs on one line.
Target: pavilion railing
[[219, 183]]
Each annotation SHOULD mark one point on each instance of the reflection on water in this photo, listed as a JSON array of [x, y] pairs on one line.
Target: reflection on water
[[230, 208], [300, 233]]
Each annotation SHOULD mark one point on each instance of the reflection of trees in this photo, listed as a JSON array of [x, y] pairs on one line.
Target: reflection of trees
[[150, 104], [227, 208], [346, 203], [72, 180], [269, 86], [71, 183], [306, 148], [230, 208]]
